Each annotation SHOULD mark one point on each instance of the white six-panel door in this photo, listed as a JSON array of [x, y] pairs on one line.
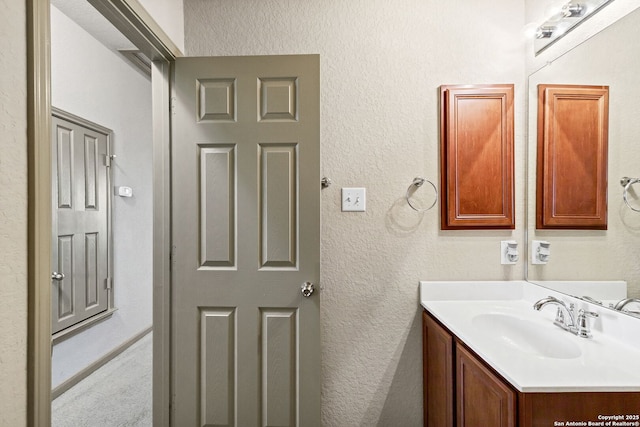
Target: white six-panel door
[[245, 238]]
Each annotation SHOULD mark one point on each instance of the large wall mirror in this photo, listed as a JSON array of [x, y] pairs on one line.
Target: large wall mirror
[[610, 58]]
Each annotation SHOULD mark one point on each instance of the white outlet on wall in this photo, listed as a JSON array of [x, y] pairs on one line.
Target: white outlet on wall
[[540, 252], [354, 199], [509, 252]]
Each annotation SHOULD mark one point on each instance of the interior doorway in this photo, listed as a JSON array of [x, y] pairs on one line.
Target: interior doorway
[[101, 310], [133, 20]]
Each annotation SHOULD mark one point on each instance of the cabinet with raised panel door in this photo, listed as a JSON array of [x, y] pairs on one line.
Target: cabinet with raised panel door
[[481, 398], [461, 390]]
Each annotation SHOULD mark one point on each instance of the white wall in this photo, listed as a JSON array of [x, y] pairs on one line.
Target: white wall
[[13, 213], [381, 65], [95, 83], [169, 14]]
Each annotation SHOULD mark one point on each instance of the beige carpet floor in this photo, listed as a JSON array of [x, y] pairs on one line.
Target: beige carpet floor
[[118, 394]]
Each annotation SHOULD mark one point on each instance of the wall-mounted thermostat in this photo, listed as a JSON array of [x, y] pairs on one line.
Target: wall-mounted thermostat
[[124, 191]]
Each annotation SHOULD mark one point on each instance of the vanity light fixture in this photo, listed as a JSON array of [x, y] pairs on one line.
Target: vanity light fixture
[[563, 20], [573, 10], [545, 32]]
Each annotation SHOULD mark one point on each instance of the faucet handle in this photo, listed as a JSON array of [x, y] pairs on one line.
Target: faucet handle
[[565, 316], [582, 324], [560, 319]]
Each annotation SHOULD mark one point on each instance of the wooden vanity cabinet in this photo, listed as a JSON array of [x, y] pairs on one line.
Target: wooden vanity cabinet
[[481, 398], [438, 381], [461, 390], [544, 409]]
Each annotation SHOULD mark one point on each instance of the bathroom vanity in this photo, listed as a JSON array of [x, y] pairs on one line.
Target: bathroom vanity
[[489, 359]]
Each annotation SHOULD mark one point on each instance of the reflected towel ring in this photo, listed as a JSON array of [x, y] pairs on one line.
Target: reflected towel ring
[[627, 182], [417, 182]]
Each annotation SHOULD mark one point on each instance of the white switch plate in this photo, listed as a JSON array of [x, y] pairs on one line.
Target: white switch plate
[[354, 199]]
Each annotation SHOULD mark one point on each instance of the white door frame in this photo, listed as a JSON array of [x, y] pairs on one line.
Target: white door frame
[[134, 22]]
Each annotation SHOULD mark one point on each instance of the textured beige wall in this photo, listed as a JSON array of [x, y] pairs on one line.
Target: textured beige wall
[[169, 16], [13, 213], [381, 65]]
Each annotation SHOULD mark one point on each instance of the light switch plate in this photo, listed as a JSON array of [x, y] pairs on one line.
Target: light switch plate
[[354, 199]]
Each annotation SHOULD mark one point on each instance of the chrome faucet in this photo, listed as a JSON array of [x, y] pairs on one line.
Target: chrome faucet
[[565, 322], [565, 317], [582, 328], [622, 303]]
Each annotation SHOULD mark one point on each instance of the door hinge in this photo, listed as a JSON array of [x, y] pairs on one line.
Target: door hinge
[[172, 105], [108, 158], [108, 283]]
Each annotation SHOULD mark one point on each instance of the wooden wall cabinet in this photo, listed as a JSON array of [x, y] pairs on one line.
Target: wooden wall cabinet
[[476, 157], [461, 390], [571, 190]]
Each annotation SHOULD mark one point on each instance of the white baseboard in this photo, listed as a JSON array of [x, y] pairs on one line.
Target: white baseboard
[[66, 385]]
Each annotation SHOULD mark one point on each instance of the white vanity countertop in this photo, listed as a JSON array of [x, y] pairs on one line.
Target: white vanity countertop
[[476, 311]]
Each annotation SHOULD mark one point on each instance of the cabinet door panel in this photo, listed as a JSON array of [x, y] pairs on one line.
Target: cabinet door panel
[[572, 157], [476, 155], [482, 398], [543, 409], [438, 374]]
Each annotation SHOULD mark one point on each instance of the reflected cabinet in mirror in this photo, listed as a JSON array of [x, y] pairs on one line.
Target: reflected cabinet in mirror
[[571, 190], [612, 253]]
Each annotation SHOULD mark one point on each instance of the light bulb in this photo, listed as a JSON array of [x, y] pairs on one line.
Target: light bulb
[[573, 10], [545, 32]]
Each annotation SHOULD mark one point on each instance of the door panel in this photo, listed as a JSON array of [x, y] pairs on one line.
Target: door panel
[[80, 221], [278, 205], [279, 366], [217, 206], [64, 174], [245, 215], [91, 151], [64, 306], [217, 382]]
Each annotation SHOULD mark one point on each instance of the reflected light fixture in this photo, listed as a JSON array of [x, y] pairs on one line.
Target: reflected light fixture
[[563, 20], [573, 10], [545, 31]]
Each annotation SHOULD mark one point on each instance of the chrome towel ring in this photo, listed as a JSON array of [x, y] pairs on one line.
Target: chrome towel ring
[[627, 182], [417, 182]]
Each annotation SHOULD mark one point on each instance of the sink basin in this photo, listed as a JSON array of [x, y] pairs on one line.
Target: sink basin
[[526, 336]]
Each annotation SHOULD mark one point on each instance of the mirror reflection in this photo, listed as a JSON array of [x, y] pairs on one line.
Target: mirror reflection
[[611, 256]]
